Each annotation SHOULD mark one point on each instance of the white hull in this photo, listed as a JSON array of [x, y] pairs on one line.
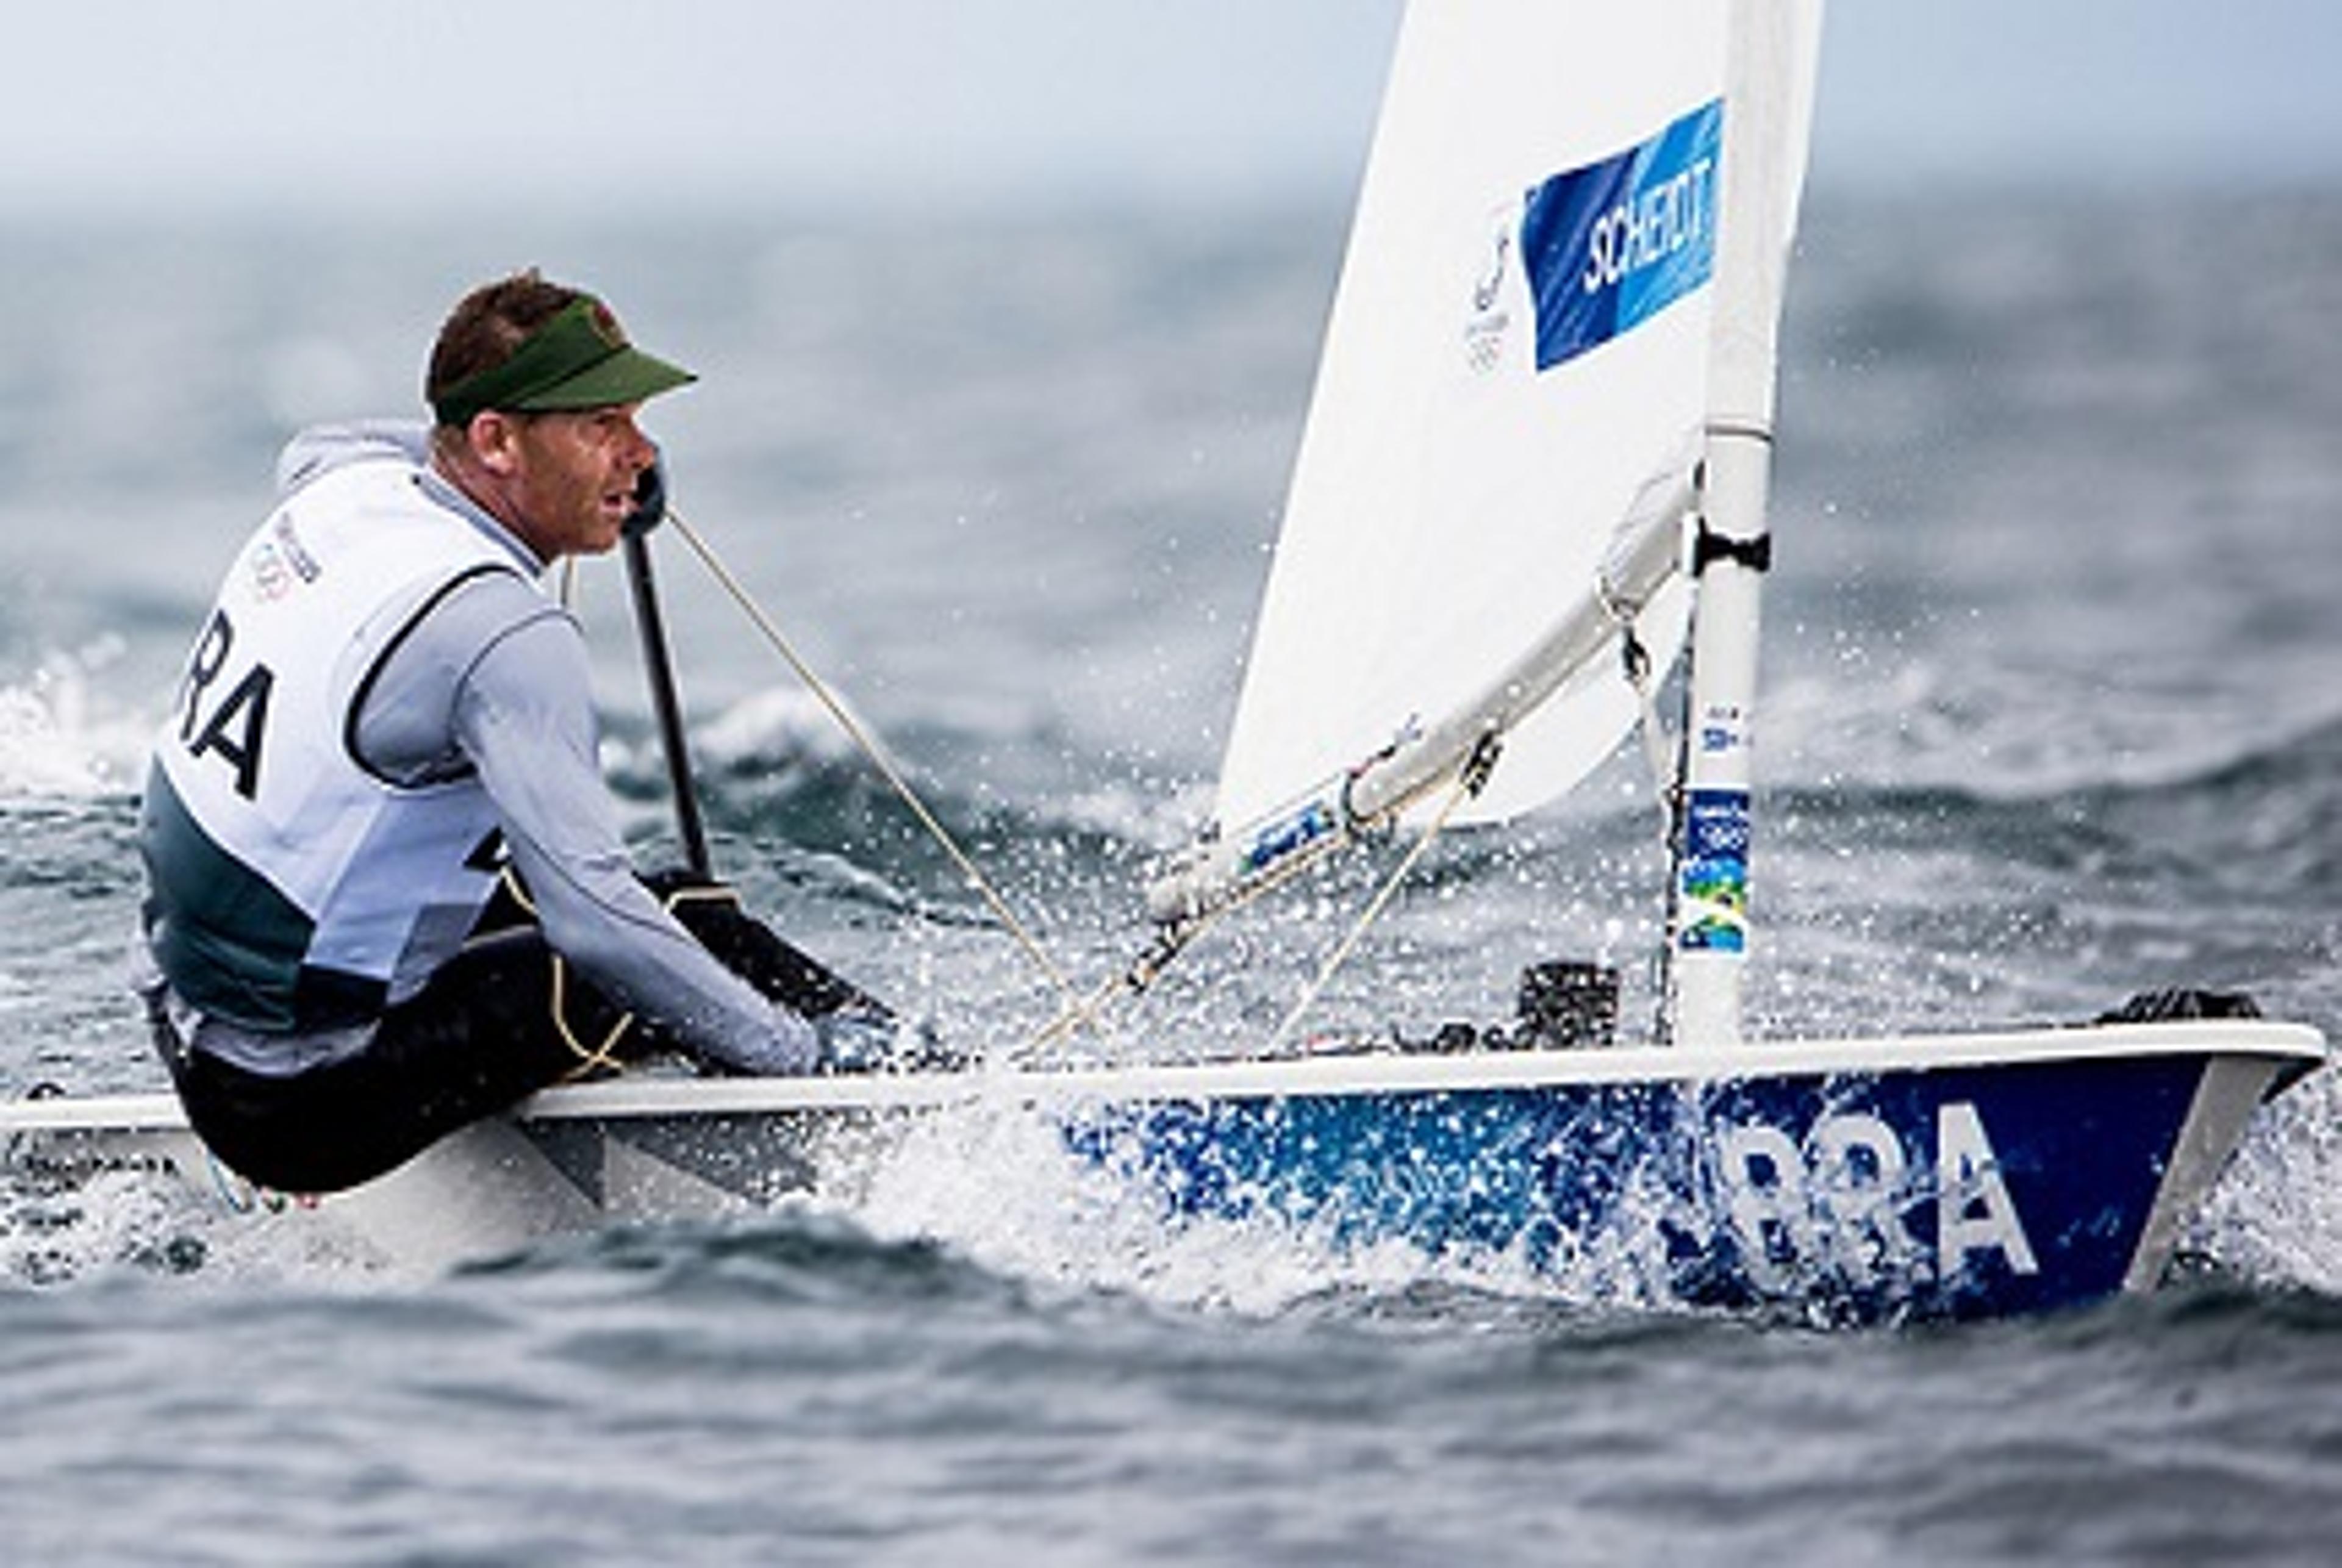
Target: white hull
[[655, 1149]]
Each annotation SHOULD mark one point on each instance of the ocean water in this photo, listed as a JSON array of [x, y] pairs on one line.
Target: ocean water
[[2050, 718]]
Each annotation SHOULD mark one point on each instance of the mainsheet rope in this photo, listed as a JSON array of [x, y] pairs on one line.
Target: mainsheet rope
[[1468, 782], [870, 748], [592, 1060], [1078, 1009]]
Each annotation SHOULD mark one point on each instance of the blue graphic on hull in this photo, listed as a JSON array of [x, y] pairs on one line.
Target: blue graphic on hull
[[1958, 1192]]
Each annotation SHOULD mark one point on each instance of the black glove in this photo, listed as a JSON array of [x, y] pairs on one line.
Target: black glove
[[650, 497]]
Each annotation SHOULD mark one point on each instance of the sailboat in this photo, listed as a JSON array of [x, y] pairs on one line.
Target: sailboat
[[1536, 463], [1534, 476]]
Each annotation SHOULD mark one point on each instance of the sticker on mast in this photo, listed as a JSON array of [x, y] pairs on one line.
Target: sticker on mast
[[1712, 886], [1611, 244]]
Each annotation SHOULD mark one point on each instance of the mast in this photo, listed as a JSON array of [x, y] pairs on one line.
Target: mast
[[658, 668], [1768, 98]]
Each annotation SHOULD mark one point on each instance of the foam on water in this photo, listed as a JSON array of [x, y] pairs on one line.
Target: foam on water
[[59, 736], [997, 1183], [2275, 1218], [113, 1221]]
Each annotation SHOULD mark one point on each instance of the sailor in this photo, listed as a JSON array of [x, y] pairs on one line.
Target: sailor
[[387, 891]]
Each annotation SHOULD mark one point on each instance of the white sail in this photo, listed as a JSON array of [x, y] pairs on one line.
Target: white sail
[[1470, 452]]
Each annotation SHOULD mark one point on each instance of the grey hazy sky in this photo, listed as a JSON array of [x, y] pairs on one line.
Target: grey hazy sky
[[583, 100]]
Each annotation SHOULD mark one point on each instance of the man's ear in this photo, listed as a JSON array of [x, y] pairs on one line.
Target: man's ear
[[494, 440]]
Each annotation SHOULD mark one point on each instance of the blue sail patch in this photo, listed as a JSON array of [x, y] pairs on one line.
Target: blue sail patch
[[1611, 244]]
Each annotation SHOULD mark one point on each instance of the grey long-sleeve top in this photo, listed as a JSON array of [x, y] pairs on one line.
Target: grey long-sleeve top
[[496, 677]]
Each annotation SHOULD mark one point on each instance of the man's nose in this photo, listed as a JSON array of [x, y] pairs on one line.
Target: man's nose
[[640, 450]]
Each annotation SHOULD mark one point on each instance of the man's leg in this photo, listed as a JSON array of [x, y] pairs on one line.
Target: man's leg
[[479, 1038], [502, 1019]]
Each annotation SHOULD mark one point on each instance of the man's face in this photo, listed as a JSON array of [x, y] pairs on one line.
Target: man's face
[[572, 478]]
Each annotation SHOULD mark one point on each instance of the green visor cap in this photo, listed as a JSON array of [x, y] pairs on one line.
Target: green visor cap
[[579, 359]]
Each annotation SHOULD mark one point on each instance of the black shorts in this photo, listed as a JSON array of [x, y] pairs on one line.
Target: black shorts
[[479, 1037]]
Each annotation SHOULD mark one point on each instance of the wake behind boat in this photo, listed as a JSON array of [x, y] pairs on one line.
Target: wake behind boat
[[1536, 468]]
